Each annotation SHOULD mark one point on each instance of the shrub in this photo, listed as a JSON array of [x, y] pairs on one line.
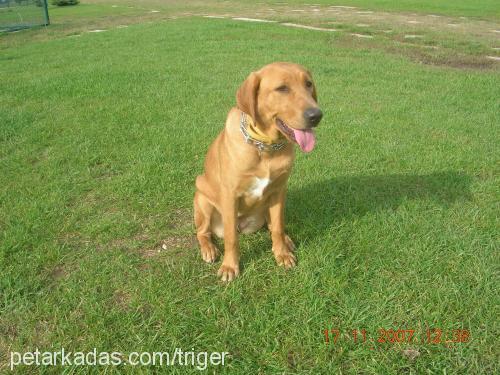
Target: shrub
[[65, 2]]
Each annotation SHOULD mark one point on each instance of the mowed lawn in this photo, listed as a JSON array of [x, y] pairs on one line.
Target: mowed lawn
[[395, 213], [483, 9]]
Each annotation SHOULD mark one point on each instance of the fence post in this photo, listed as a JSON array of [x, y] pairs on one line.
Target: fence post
[[46, 9]]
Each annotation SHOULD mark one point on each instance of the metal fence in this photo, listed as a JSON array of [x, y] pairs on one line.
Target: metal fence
[[20, 14]]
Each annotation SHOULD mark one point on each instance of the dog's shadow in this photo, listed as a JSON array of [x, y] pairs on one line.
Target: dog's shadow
[[319, 205], [316, 207]]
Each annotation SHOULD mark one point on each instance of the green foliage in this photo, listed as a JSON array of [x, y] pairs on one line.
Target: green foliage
[[65, 2]]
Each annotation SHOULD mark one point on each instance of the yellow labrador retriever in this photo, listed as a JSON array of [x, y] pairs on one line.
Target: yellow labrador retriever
[[247, 166]]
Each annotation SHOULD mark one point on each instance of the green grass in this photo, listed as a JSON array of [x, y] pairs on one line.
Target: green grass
[[395, 213], [483, 8]]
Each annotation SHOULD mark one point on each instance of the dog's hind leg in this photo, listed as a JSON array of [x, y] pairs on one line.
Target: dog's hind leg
[[203, 211]]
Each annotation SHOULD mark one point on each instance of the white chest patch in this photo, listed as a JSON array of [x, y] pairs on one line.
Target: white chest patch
[[257, 188]]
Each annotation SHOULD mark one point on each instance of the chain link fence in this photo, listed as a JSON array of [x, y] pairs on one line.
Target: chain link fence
[[20, 14]]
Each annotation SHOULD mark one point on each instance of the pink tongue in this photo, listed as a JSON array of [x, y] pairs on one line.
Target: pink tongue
[[305, 139]]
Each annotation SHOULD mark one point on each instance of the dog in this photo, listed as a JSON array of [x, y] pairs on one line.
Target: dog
[[247, 166]]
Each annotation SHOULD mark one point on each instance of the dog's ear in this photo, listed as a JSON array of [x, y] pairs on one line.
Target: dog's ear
[[246, 97]]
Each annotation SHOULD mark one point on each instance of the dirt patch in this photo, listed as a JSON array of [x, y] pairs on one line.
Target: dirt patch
[[172, 245], [144, 267], [252, 19], [58, 272], [426, 56], [122, 243], [41, 333], [443, 30], [290, 360], [179, 218], [121, 299], [175, 242], [411, 354], [147, 240], [73, 240], [362, 36], [5, 347], [42, 156], [420, 53], [288, 24], [8, 330], [402, 20]]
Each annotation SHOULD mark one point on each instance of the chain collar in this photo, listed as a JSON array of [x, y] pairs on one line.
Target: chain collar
[[261, 146]]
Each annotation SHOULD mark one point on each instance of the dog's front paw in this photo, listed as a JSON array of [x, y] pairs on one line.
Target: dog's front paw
[[209, 252], [285, 258], [228, 272], [284, 255]]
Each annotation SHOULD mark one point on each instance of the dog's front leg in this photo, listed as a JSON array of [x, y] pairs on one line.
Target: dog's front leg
[[282, 244], [230, 267]]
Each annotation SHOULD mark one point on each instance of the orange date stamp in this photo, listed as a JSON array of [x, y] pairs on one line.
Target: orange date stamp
[[392, 336]]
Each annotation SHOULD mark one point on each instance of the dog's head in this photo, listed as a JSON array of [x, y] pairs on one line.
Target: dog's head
[[283, 95]]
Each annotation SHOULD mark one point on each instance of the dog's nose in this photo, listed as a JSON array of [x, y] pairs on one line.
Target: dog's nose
[[313, 116]]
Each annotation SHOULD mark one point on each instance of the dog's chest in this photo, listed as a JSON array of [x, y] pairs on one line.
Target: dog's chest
[[268, 176], [257, 187]]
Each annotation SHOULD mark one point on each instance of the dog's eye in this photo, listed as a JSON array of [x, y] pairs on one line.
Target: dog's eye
[[282, 88], [309, 84]]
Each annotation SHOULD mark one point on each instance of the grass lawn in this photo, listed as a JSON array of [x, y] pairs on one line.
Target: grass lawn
[[473, 8], [395, 213]]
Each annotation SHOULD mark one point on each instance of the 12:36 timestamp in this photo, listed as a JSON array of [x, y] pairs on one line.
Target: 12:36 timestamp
[[430, 336]]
